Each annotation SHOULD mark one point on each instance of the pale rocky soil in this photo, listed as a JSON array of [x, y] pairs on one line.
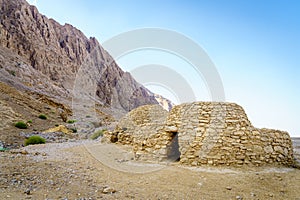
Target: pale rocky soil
[[20, 106], [89, 169]]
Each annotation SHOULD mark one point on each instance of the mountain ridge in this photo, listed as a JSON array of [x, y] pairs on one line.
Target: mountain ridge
[[53, 54], [53, 69]]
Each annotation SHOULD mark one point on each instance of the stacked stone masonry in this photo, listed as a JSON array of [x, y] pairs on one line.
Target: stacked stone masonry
[[202, 133]]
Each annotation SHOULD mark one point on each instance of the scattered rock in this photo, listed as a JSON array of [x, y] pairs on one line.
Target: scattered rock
[[171, 129], [228, 188], [121, 160], [60, 128], [271, 195], [282, 191], [24, 152], [27, 191], [108, 190], [18, 151], [278, 175]]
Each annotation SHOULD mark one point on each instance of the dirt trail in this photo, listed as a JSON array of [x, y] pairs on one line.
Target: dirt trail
[[85, 169], [119, 159]]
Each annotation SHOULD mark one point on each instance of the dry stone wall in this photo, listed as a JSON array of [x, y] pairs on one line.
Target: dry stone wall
[[220, 133], [143, 128], [202, 133]]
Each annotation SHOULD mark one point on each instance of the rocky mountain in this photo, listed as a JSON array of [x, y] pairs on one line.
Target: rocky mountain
[[39, 55], [163, 102]]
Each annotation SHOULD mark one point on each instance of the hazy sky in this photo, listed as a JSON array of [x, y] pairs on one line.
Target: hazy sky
[[254, 44]]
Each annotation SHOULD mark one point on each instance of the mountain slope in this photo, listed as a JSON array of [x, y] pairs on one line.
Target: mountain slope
[[47, 58]]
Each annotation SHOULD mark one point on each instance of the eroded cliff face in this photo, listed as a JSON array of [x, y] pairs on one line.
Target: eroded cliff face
[[46, 58], [48, 46]]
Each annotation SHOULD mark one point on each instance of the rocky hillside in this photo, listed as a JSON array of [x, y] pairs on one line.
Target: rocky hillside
[[40, 55], [53, 69], [165, 103]]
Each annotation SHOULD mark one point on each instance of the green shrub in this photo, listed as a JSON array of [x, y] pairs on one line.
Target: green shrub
[[35, 139], [42, 116], [12, 73], [97, 134], [21, 125], [71, 121], [74, 130], [29, 121]]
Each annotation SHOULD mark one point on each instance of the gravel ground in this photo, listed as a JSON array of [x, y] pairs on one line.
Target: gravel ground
[[296, 144], [75, 170], [54, 151]]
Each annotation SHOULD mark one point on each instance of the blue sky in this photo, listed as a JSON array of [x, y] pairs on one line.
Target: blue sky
[[254, 44]]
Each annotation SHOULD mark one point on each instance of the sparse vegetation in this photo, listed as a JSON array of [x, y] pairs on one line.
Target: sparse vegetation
[[42, 116], [3, 149], [74, 130], [71, 121], [21, 125], [97, 134], [12, 73], [35, 139]]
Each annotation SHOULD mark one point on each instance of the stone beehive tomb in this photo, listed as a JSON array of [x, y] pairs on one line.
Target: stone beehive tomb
[[202, 133], [142, 128]]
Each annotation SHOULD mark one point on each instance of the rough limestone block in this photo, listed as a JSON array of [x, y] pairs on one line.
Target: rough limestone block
[[211, 133]]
